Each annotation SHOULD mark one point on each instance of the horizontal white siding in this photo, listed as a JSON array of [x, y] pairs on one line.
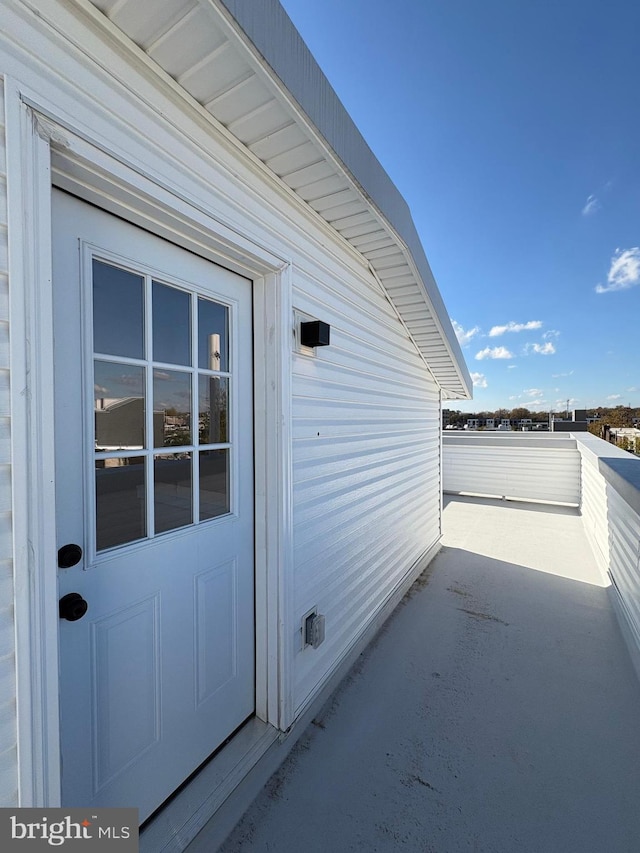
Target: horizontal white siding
[[611, 517], [610, 510], [8, 774], [512, 469], [624, 551], [366, 466], [594, 511]]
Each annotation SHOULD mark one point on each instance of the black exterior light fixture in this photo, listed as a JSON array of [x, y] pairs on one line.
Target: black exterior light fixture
[[314, 334]]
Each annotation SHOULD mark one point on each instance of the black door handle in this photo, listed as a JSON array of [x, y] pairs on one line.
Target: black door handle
[[69, 555], [72, 607]]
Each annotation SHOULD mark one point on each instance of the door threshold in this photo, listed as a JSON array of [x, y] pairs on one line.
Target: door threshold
[[173, 828]]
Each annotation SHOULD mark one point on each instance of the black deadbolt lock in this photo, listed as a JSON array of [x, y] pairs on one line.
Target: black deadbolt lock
[[69, 555], [72, 607]]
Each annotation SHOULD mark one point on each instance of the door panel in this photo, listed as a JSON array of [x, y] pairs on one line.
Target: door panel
[[154, 479]]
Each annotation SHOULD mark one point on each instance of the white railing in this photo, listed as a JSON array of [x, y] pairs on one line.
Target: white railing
[[577, 469], [516, 466], [611, 513]]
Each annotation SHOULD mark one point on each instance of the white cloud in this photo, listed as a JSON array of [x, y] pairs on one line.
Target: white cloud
[[540, 349], [464, 337], [552, 333], [533, 392], [614, 397], [591, 206], [479, 380], [515, 327], [624, 271], [559, 375], [515, 397], [511, 366], [495, 352]]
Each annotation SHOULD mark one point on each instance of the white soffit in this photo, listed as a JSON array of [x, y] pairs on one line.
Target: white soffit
[[246, 64]]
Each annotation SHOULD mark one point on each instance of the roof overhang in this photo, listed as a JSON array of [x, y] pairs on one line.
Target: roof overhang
[[246, 64]]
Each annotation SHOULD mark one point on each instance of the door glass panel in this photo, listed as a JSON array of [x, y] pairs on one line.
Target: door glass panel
[[214, 483], [118, 327], [172, 491], [120, 501], [213, 409], [213, 345], [171, 324], [171, 408], [118, 391], [143, 404]]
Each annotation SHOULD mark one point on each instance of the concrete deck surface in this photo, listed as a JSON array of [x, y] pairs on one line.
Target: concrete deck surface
[[498, 711]]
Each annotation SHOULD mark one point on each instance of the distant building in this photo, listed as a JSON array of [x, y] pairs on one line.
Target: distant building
[[448, 417], [578, 422], [626, 437]]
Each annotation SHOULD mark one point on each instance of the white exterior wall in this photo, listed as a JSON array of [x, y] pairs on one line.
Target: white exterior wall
[[366, 476], [8, 766], [366, 491]]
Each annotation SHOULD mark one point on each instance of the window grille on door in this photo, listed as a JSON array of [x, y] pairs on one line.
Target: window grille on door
[[162, 382]]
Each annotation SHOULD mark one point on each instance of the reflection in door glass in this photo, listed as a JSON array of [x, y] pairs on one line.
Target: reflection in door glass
[[118, 327], [171, 324], [120, 501], [146, 390], [214, 483], [118, 391], [213, 346], [171, 408], [213, 409], [172, 491]]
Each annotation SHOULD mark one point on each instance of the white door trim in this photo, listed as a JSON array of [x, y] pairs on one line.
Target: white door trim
[[32, 449], [41, 151]]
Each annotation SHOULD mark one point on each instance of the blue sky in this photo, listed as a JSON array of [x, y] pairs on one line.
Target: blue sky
[[512, 128]]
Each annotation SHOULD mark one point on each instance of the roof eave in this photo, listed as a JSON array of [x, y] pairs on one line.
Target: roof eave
[[272, 34]]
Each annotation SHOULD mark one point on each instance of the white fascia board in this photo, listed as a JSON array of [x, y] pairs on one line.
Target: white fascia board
[[270, 30]]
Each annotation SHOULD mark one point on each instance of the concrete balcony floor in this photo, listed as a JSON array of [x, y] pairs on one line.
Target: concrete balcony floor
[[498, 711]]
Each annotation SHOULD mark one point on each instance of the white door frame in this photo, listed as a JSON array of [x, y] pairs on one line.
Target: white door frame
[[44, 149]]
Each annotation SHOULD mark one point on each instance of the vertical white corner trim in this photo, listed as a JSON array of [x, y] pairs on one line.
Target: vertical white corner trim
[[283, 477], [273, 331], [440, 462], [33, 486], [273, 484]]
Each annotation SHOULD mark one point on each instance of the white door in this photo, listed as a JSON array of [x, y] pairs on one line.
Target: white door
[[154, 483]]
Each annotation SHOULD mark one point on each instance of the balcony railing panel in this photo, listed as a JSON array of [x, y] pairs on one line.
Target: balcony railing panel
[[594, 510], [624, 539], [518, 466], [611, 513]]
